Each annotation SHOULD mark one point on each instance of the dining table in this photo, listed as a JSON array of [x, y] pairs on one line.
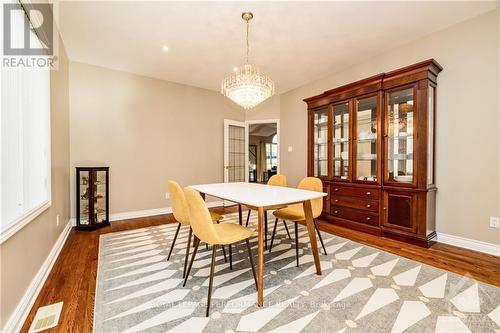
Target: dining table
[[261, 198]]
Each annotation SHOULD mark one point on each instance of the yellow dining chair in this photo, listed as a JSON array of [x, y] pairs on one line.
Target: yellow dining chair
[[181, 215], [275, 180], [213, 234], [296, 213]]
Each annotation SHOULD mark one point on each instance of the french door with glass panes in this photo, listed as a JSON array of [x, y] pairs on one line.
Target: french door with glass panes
[[235, 151]]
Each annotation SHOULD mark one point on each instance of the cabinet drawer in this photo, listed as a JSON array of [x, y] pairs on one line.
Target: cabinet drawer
[[356, 192], [355, 215], [357, 203]]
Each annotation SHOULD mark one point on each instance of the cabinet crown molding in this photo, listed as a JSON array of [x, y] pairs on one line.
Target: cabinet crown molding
[[427, 69]]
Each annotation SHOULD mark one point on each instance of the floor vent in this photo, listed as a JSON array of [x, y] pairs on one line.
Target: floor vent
[[46, 317]]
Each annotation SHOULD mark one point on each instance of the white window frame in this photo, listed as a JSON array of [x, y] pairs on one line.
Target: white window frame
[[13, 227]]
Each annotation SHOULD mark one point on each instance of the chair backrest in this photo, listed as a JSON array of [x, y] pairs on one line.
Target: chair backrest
[[277, 180], [313, 184], [178, 202], [199, 216]]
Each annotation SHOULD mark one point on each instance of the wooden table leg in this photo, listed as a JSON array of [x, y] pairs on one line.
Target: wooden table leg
[[240, 214], [260, 259], [312, 235]]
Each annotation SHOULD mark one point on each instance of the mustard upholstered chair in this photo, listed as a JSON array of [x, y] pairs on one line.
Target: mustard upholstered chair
[[296, 213], [275, 180], [181, 215], [213, 234]]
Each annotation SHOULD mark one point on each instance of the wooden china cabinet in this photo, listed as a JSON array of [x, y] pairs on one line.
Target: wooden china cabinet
[[372, 144]]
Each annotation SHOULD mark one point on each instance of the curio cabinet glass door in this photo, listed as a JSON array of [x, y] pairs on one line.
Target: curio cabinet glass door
[[320, 143], [400, 131], [341, 141], [367, 129]]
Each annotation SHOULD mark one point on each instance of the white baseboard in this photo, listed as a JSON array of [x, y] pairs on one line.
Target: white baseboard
[[149, 212], [22, 310], [468, 243]]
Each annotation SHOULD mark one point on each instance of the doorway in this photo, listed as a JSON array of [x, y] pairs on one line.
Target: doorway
[[263, 149]]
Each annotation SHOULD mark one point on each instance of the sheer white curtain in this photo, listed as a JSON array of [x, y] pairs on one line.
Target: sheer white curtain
[[25, 140]]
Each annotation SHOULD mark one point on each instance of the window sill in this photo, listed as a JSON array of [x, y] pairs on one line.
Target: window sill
[[20, 223]]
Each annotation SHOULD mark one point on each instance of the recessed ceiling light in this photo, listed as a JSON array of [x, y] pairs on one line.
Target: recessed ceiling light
[[165, 48], [235, 68]]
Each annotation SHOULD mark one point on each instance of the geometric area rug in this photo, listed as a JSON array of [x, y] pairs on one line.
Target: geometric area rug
[[362, 289]]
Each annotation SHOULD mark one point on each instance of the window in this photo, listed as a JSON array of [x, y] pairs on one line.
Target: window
[[24, 141], [272, 153]]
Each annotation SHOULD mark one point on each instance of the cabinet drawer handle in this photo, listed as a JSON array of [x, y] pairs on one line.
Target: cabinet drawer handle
[[385, 208], [368, 218], [368, 193], [336, 189], [368, 206], [336, 200], [335, 211]]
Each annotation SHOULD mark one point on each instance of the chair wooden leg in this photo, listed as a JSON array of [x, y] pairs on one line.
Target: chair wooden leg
[[223, 249], [230, 258], [265, 229], [187, 251], [248, 217], [173, 242], [297, 243], [211, 279], [319, 236], [272, 237], [196, 244], [251, 261], [206, 246], [288, 232]]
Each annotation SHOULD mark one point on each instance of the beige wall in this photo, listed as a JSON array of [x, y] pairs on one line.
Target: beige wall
[[147, 131], [269, 109], [467, 124], [23, 254]]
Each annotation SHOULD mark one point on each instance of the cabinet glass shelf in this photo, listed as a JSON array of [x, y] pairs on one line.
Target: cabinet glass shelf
[[338, 141]]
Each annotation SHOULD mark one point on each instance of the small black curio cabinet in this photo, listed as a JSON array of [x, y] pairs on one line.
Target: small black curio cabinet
[[92, 197]]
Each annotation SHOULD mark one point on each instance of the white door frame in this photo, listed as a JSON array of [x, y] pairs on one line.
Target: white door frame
[[227, 123], [261, 121]]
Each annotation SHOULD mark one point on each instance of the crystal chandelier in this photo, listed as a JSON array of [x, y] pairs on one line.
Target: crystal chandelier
[[247, 86]]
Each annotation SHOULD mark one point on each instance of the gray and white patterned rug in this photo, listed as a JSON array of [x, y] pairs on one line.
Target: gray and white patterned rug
[[362, 289]]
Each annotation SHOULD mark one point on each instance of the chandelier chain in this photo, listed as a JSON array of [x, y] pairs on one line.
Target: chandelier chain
[[248, 43]]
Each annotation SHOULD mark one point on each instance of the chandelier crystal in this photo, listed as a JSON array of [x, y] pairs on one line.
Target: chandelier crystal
[[247, 86]]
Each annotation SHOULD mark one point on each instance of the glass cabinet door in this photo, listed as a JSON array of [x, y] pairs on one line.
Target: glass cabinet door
[[366, 139], [320, 143], [100, 184], [400, 130], [341, 140]]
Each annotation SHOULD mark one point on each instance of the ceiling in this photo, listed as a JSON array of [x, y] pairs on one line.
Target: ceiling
[[264, 130], [293, 42]]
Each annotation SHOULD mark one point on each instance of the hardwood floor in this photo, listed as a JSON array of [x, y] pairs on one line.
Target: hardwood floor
[[73, 277]]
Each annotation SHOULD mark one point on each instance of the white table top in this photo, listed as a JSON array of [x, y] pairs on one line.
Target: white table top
[[257, 195]]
